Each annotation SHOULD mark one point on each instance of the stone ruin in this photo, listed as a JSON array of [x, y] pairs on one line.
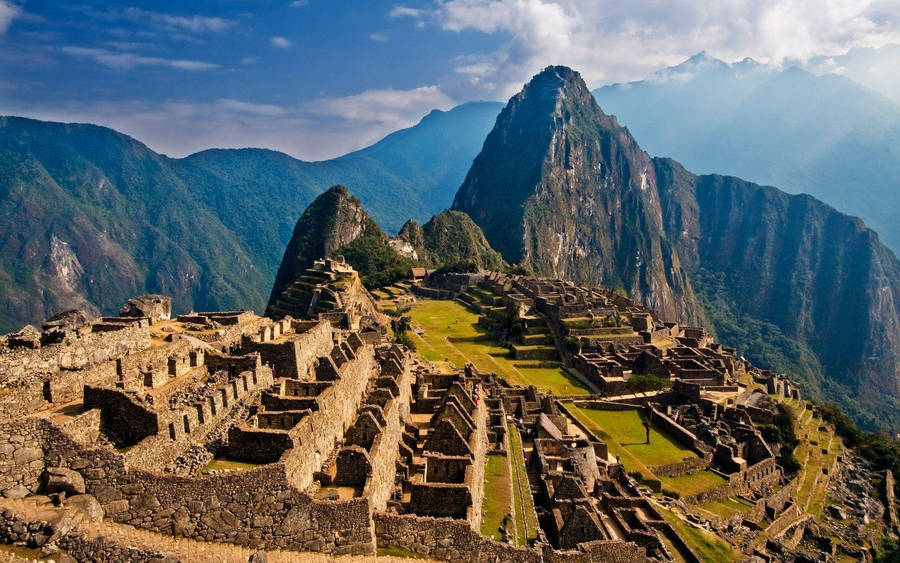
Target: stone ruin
[[311, 431]]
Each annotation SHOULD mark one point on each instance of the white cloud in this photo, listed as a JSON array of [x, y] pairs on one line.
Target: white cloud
[[191, 23], [406, 12], [247, 107], [280, 42], [610, 40], [299, 3], [8, 11], [127, 60], [395, 108], [380, 36]]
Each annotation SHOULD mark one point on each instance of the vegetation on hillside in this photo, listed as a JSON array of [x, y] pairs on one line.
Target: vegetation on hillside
[[879, 448], [781, 433], [372, 256]]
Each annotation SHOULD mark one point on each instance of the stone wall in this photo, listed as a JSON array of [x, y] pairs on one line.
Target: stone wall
[[385, 450], [445, 539], [294, 356], [16, 528], [182, 427], [29, 379], [683, 467], [21, 455], [125, 421], [318, 433], [677, 431], [256, 508], [602, 550]]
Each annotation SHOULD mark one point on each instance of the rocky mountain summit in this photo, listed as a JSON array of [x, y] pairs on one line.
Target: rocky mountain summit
[[564, 189]]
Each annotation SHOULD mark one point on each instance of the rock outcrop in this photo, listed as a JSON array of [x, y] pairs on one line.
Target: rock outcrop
[[156, 307]]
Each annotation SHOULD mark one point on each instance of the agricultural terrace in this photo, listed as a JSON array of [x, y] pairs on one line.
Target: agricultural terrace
[[445, 331]]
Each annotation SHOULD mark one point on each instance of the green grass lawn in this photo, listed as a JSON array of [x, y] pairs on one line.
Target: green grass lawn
[[525, 515], [497, 502], [707, 546], [698, 482], [727, 507], [626, 429], [445, 320]]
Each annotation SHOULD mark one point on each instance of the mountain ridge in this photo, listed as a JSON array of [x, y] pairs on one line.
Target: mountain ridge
[[243, 203], [824, 135], [557, 174]]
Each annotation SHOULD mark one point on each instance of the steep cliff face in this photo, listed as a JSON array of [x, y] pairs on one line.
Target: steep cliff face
[[795, 284], [821, 277], [562, 188]]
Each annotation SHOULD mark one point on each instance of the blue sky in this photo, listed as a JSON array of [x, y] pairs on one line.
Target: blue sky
[[318, 78]]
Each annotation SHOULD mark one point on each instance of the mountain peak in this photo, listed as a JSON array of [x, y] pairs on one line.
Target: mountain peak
[[335, 218], [558, 183]]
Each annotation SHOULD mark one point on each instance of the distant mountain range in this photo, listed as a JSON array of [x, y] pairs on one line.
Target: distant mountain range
[[90, 217], [822, 135]]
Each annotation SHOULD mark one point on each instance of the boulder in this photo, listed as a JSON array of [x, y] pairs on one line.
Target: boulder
[[156, 307], [63, 480], [88, 505]]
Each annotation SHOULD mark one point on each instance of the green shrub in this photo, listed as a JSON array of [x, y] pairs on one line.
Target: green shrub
[[641, 383], [405, 339]]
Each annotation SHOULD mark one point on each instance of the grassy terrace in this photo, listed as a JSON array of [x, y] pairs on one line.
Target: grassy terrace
[[451, 333], [625, 430], [707, 546], [526, 517], [727, 507], [624, 434], [688, 485], [497, 496], [506, 491]]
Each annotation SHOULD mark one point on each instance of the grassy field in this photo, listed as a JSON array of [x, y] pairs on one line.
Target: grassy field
[[626, 429], [526, 517], [451, 333], [707, 546], [222, 464], [624, 434], [698, 482], [497, 492], [727, 507]]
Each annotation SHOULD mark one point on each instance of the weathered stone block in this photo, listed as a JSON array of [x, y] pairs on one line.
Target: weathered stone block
[[63, 480], [88, 505]]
